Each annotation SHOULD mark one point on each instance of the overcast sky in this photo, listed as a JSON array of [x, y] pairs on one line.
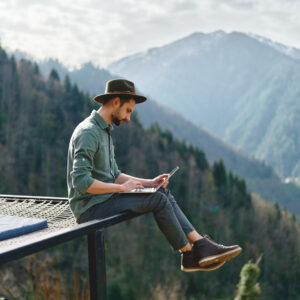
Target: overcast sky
[[102, 31]]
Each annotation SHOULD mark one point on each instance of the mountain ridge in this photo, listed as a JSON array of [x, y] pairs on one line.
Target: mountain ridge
[[234, 81], [260, 177]]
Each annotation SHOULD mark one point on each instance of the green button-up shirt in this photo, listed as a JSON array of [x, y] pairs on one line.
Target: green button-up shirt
[[90, 156]]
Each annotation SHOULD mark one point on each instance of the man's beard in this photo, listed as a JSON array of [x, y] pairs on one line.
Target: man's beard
[[116, 118], [116, 121]]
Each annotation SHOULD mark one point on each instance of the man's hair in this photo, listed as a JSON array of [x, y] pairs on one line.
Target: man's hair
[[123, 99]]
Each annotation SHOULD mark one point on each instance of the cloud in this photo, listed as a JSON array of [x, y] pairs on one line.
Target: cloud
[[239, 4], [102, 31], [63, 30], [182, 6]]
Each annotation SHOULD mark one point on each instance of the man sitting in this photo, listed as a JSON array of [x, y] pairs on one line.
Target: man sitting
[[97, 189]]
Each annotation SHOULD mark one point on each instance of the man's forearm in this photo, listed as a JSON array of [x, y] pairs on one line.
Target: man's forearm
[[124, 177], [122, 184], [100, 187]]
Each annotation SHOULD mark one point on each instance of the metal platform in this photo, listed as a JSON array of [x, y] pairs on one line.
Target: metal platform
[[62, 228]]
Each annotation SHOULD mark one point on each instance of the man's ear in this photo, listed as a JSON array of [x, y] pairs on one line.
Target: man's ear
[[116, 102]]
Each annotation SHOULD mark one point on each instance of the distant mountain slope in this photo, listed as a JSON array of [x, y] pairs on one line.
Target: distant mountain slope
[[96, 76], [243, 89], [260, 177], [289, 51]]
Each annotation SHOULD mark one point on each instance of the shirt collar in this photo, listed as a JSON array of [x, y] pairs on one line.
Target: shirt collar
[[100, 121]]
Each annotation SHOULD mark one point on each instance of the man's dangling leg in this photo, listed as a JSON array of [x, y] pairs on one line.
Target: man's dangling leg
[[207, 253], [189, 230]]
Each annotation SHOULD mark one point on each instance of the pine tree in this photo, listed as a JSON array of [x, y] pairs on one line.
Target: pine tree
[[219, 173], [54, 75], [248, 289]]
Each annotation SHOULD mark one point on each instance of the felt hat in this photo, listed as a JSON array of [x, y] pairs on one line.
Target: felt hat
[[118, 88]]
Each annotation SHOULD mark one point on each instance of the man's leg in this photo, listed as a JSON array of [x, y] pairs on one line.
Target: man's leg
[[157, 203], [191, 233], [173, 223], [208, 254]]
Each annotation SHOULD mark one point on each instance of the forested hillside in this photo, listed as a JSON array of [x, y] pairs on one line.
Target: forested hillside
[[37, 119]]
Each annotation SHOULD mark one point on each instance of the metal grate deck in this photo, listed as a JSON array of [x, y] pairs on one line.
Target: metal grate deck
[[55, 210], [62, 228]]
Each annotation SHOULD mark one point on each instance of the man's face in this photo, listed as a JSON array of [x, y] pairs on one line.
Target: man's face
[[122, 113]]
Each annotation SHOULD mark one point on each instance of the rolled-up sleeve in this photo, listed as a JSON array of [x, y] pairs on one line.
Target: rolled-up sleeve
[[85, 146]]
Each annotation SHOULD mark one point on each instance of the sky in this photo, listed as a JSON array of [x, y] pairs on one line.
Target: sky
[[103, 31]]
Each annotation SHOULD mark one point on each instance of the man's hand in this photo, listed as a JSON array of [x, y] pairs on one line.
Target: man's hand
[[131, 184], [159, 179]]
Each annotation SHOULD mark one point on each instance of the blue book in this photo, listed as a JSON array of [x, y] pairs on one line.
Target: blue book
[[11, 226]]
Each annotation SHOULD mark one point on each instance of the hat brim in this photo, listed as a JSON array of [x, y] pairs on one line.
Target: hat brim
[[102, 98]]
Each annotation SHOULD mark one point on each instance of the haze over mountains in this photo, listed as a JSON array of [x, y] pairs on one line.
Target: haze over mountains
[[243, 88]]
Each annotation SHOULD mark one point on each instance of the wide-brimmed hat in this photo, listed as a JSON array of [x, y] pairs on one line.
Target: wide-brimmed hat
[[119, 87]]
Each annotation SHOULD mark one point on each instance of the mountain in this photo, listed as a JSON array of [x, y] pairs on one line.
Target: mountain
[[244, 90], [289, 51], [96, 76], [260, 177], [37, 117]]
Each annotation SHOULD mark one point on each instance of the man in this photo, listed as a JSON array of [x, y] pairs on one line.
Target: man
[[96, 186]]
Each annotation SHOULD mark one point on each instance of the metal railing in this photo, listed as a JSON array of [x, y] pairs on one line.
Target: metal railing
[[94, 230]]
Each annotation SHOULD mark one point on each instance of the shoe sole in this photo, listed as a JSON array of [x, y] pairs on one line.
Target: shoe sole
[[219, 258], [207, 269]]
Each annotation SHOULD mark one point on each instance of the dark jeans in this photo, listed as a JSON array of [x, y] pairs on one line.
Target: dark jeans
[[169, 217]]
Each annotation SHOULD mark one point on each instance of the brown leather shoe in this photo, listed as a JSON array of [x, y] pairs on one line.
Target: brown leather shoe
[[190, 264], [208, 252]]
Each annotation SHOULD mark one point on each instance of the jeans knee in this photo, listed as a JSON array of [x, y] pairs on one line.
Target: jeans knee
[[163, 201], [168, 195]]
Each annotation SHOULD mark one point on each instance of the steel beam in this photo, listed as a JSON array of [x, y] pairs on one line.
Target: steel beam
[[97, 267]]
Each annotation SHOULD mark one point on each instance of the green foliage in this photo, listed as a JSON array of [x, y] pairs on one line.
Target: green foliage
[[54, 75], [200, 157], [37, 118], [248, 289], [67, 84], [277, 211], [232, 190], [219, 174], [293, 218]]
